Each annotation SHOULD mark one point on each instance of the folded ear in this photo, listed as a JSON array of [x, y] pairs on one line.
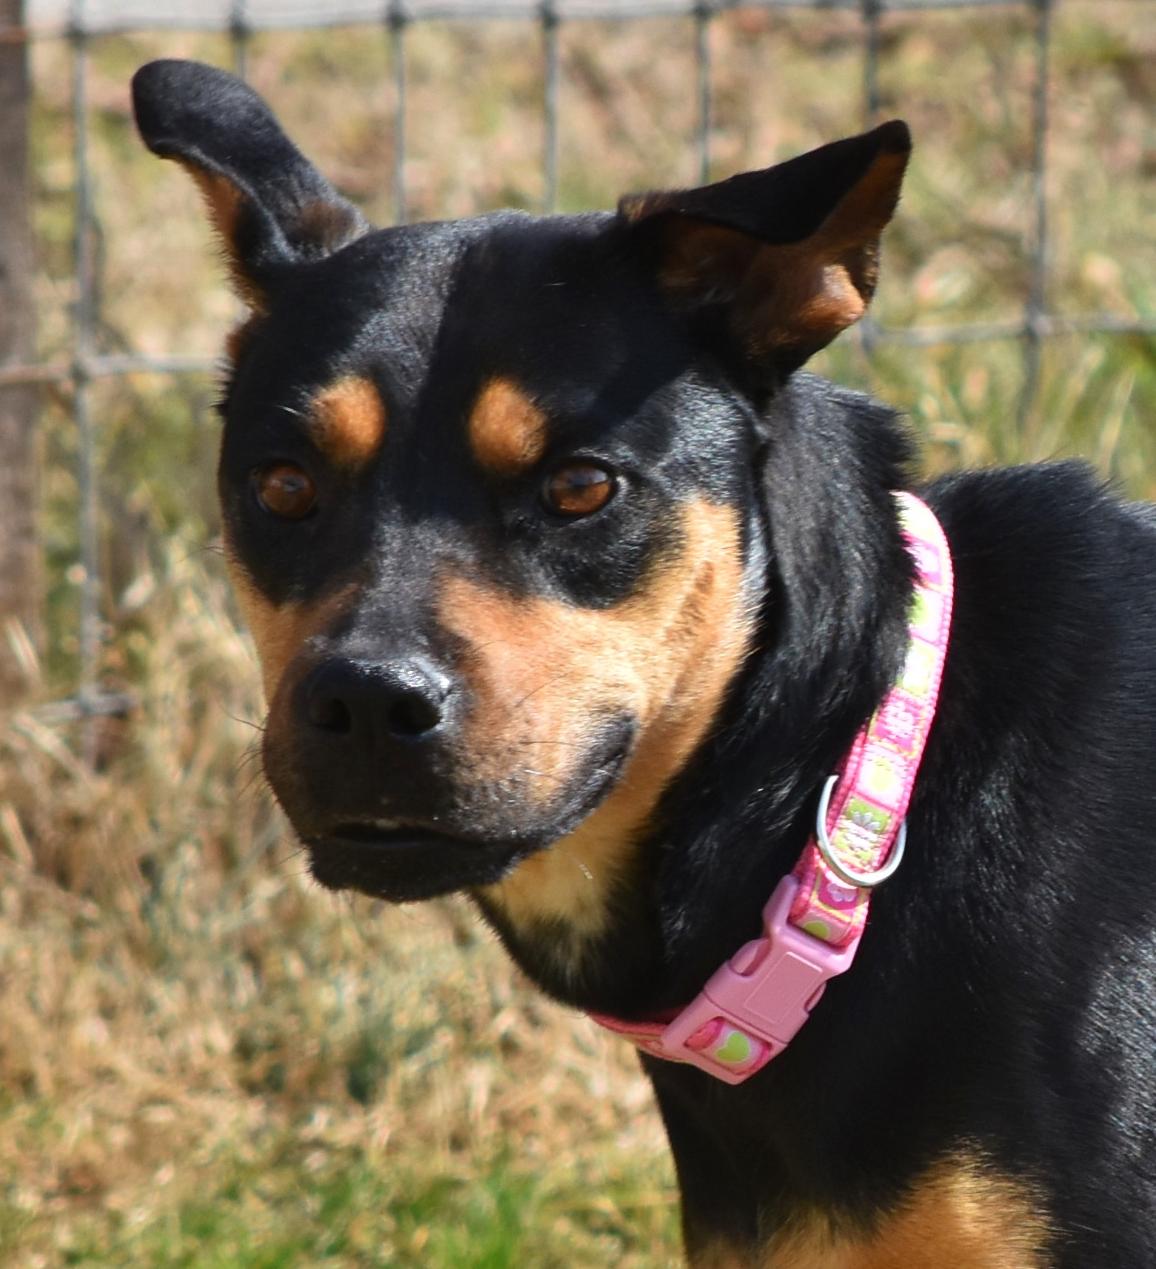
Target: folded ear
[[787, 257], [271, 207]]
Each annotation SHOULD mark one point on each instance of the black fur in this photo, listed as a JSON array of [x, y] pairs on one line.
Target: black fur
[[1003, 993], [1002, 1000]]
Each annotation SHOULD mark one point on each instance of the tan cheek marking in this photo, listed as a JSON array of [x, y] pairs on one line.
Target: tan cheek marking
[[961, 1214], [541, 671], [349, 421], [507, 430], [279, 630]]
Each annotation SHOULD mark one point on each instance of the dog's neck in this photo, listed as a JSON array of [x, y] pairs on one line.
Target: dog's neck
[[733, 821]]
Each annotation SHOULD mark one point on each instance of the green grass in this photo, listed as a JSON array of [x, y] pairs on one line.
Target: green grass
[[204, 1060], [300, 1203]]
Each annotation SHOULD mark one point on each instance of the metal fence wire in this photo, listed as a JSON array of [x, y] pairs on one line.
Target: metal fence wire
[[81, 21]]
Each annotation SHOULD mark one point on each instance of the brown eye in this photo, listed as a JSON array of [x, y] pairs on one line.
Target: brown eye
[[578, 489], [285, 490]]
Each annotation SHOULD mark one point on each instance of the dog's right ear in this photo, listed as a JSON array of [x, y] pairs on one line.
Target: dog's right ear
[[787, 257], [269, 204]]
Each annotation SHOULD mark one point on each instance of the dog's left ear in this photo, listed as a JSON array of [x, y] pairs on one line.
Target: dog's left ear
[[269, 204], [788, 257]]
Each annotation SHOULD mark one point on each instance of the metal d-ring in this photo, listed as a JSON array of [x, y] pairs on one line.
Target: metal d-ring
[[866, 880]]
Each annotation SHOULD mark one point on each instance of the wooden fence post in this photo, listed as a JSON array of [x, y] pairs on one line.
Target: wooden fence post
[[20, 580]]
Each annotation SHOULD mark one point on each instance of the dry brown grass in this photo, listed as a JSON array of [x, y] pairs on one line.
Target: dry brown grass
[[206, 1061], [176, 992]]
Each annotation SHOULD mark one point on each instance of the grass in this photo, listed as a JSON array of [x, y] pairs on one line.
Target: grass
[[209, 1062], [204, 1060]]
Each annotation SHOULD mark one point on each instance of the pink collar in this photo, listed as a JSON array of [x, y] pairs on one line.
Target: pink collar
[[754, 1004]]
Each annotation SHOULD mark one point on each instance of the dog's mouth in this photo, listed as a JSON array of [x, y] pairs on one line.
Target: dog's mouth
[[404, 862]]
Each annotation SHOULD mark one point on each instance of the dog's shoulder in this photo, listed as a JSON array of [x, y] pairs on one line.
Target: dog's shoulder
[[1051, 563]]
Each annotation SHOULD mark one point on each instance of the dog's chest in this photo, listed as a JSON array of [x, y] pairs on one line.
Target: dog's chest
[[959, 1215]]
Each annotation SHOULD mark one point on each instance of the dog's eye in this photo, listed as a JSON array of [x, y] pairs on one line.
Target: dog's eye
[[285, 490], [578, 489]]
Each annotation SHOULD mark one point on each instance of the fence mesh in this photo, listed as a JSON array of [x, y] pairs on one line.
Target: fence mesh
[[81, 22]]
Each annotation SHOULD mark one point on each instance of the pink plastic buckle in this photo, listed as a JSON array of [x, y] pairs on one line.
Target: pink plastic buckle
[[763, 993]]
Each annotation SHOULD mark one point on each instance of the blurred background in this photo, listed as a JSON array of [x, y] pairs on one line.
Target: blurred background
[[203, 1059]]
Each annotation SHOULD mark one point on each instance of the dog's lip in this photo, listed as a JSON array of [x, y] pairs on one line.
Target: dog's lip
[[403, 864], [386, 833], [400, 861]]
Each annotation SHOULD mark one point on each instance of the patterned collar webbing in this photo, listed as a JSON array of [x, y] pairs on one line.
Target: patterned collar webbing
[[754, 1004]]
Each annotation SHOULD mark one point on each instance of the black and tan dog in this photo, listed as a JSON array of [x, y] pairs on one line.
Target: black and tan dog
[[570, 589]]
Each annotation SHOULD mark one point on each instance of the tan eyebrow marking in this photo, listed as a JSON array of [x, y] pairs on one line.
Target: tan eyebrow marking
[[349, 421], [507, 430]]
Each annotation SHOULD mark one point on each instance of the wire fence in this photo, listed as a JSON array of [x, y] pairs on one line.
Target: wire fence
[[79, 22]]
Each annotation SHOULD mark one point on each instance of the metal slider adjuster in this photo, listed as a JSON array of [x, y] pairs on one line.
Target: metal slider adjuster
[[865, 880]]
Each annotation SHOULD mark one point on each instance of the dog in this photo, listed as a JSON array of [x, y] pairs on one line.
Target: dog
[[572, 589]]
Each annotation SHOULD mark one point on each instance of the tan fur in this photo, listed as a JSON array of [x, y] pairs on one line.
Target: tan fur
[[801, 298], [507, 430], [961, 1215], [280, 630], [348, 421], [224, 201], [221, 196], [863, 212], [326, 225], [541, 672], [783, 295], [792, 296]]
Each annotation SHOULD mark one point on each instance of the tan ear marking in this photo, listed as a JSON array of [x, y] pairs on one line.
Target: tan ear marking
[[865, 209], [221, 196], [326, 226], [507, 430], [699, 255], [787, 290], [224, 202]]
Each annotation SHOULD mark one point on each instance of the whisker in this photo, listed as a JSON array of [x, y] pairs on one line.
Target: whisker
[[247, 722], [550, 682]]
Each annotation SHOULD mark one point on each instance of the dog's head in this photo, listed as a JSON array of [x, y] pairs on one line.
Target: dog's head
[[490, 490]]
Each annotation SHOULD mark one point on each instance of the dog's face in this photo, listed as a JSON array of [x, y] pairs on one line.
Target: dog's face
[[490, 491], [495, 575]]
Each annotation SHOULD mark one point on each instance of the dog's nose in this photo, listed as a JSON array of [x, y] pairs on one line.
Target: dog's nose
[[377, 701]]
